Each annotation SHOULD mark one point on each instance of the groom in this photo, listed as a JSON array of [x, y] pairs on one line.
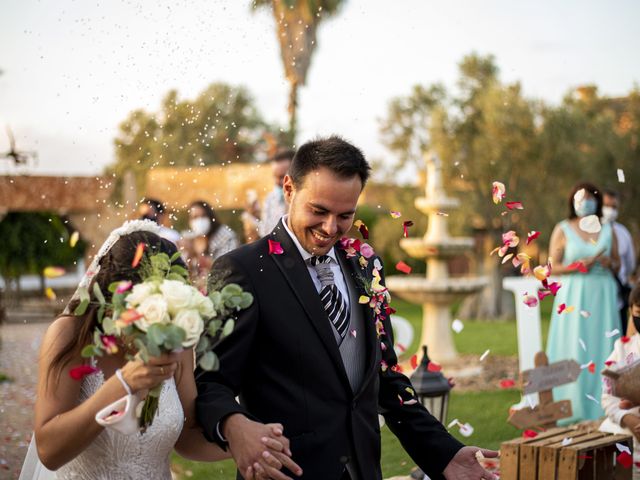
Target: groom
[[307, 354]]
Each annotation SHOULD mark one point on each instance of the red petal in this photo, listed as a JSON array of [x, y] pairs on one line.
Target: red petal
[[562, 308], [414, 362], [405, 227], [364, 231], [608, 363], [625, 339], [507, 383], [275, 248], [77, 373], [433, 367], [514, 205], [532, 236], [625, 459], [403, 267], [397, 368], [138, 256], [592, 367], [529, 434]]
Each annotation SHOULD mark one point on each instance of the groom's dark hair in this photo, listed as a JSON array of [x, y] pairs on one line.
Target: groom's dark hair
[[335, 153]]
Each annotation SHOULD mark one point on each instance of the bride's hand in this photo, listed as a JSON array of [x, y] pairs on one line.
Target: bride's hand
[[140, 376]]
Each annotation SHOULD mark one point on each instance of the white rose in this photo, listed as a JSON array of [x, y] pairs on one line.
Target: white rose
[[204, 305], [139, 293], [191, 322], [178, 295], [154, 310]]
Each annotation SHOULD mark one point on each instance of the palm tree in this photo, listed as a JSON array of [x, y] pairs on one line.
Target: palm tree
[[297, 22]]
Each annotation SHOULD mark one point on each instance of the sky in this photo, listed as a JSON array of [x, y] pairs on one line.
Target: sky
[[72, 70]]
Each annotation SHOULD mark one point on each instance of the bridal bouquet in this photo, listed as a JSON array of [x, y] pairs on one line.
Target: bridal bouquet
[[162, 314]]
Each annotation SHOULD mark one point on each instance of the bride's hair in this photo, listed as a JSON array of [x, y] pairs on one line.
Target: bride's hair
[[115, 266]]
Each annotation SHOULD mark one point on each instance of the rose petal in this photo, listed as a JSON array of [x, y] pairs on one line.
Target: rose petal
[[275, 248], [403, 267], [364, 231], [50, 294], [531, 236], [590, 224], [53, 272], [620, 173], [138, 255], [457, 326], [507, 383], [405, 227], [433, 366], [562, 308], [514, 205], [625, 459], [73, 239], [484, 355], [625, 339], [529, 434], [363, 299], [78, 372], [530, 300], [124, 286], [414, 361], [612, 333], [498, 192], [395, 214]]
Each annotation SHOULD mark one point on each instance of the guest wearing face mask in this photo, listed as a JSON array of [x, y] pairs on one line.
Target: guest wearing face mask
[[626, 251], [585, 308], [625, 421], [206, 240]]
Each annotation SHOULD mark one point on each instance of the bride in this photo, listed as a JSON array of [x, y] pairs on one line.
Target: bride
[[68, 438]]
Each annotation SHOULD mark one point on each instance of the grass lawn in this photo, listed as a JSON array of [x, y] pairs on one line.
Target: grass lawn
[[486, 411]]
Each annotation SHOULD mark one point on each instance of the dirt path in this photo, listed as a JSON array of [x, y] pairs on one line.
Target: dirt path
[[18, 359]]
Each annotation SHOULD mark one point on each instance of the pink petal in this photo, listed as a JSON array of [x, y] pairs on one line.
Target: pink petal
[[275, 248], [514, 205]]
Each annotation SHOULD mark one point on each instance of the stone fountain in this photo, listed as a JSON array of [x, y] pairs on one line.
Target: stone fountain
[[438, 290]]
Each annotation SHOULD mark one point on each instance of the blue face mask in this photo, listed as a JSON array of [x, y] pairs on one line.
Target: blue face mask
[[587, 206]]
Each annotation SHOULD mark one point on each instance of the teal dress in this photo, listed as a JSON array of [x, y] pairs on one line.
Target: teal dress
[[594, 292]]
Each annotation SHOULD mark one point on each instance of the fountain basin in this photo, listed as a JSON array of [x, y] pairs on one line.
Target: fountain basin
[[439, 204], [441, 248], [418, 289]]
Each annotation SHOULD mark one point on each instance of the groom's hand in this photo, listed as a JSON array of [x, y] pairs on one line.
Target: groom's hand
[[259, 450], [465, 466]]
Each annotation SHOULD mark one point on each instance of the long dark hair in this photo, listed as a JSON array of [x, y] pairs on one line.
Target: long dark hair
[[115, 266], [211, 214]]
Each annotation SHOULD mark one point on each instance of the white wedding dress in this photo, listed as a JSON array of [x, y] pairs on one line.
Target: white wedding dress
[[114, 456]]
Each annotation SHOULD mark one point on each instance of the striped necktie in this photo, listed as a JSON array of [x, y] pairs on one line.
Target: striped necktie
[[332, 300]]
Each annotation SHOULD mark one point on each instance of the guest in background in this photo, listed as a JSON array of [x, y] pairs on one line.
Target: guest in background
[[206, 240], [626, 421], [264, 220], [152, 209], [585, 307], [626, 251]]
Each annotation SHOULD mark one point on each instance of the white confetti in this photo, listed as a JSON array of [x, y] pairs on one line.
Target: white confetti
[[377, 264], [592, 398], [484, 355], [612, 333], [590, 224], [466, 430], [354, 334], [457, 325], [584, 347], [623, 448], [566, 441], [620, 175], [585, 314], [453, 422], [585, 365]]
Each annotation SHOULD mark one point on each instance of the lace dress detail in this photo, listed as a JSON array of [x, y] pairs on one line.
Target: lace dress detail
[[113, 456]]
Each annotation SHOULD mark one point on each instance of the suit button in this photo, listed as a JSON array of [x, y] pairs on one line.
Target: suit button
[[344, 459]]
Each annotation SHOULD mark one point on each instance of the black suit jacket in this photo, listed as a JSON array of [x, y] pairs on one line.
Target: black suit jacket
[[283, 361]]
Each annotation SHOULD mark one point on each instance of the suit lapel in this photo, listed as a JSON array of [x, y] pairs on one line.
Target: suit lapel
[[296, 273], [351, 267]]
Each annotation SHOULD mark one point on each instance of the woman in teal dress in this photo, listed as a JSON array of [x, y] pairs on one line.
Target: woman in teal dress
[[580, 333]]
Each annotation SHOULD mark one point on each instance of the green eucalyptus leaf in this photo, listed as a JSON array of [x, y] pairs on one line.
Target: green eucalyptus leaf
[[180, 270], [203, 344], [228, 328], [175, 256], [109, 326], [113, 286], [232, 289], [98, 293], [246, 300], [156, 334], [213, 327], [88, 351], [82, 307], [153, 349], [100, 313], [142, 349], [174, 337], [209, 361], [176, 276]]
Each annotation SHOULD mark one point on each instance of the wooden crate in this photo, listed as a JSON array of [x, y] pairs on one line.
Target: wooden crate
[[510, 452], [590, 455]]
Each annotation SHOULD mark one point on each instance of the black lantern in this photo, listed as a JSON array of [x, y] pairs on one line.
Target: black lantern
[[432, 388]]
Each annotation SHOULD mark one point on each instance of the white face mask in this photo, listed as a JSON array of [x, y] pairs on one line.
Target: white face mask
[[609, 214], [200, 225]]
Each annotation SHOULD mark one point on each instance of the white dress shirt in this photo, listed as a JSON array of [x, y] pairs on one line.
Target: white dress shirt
[[338, 277]]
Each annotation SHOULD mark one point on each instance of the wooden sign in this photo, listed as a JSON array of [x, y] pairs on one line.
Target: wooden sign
[[541, 415], [546, 377]]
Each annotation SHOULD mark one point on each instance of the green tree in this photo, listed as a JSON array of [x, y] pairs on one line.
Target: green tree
[[296, 28], [220, 126], [33, 241]]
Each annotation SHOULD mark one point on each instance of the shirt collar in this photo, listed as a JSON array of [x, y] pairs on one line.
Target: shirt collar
[[305, 255]]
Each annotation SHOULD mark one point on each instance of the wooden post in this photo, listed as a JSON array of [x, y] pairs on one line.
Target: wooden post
[[545, 396]]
